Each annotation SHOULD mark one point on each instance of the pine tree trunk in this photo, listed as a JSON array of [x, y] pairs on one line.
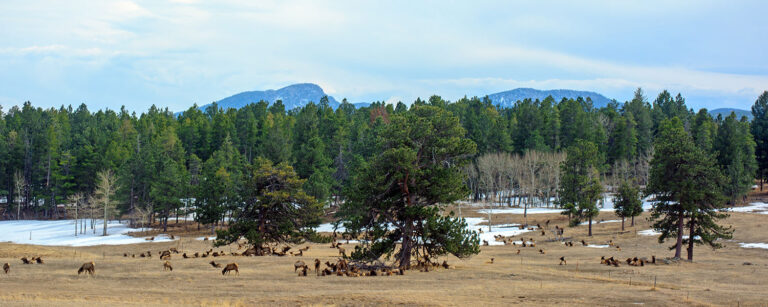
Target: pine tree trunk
[[680, 228], [691, 239], [622, 223], [590, 226], [633, 222]]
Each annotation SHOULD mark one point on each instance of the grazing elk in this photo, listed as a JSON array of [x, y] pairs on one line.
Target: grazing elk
[[297, 265], [562, 261], [304, 270], [165, 255], [88, 267], [317, 266], [6, 267], [229, 268], [184, 255], [541, 251], [167, 266]]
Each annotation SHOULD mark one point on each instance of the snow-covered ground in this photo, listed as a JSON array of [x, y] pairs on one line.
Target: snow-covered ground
[[600, 222], [61, 233], [598, 246], [506, 230], [761, 208], [607, 205], [754, 245], [649, 232]]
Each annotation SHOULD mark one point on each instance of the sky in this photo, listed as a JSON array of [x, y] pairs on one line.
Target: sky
[[174, 53]]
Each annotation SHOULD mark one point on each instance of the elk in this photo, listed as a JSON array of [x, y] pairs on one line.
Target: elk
[[562, 261], [214, 264], [39, 260], [541, 251], [25, 260], [490, 262], [317, 266], [125, 254], [150, 239], [298, 254], [445, 265], [303, 270], [231, 267], [184, 255], [6, 267], [165, 255], [167, 266], [88, 267], [173, 249], [297, 265], [342, 252], [518, 252]]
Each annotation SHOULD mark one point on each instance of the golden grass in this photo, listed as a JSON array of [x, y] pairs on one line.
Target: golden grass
[[715, 278]]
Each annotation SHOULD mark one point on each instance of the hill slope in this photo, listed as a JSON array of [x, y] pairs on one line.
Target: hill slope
[[727, 111], [293, 96], [508, 98]]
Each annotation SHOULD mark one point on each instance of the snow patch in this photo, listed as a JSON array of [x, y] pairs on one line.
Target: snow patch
[[760, 208], [754, 245], [649, 232], [61, 233], [598, 246]]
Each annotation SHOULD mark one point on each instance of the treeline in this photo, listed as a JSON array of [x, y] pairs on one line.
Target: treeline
[[167, 162]]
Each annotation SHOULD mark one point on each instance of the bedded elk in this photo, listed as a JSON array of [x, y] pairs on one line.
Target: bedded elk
[[6, 267], [214, 264], [88, 267], [229, 268], [167, 266], [184, 255], [24, 260], [300, 253], [150, 239], [39, 260]]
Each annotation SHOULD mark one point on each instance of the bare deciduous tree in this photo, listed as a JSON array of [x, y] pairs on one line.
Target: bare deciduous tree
[[105, 188]]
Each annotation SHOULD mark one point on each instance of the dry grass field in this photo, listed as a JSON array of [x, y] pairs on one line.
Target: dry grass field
[[530, 278]]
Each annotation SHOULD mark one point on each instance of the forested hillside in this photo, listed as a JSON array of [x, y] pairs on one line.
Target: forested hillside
[[165, 163]]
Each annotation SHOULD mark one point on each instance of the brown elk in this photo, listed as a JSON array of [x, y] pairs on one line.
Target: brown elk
[[306, 248], [214, 264], [231, 267], [490, 262], [174, 250], [88, 267], [6, 267], [167, 266], [326, 272], [165, 255], [317, 266], [125, 254], [541, 251], [342, 252], [39, 260], [297, 265], [300, 253], [562, 261], [25, 260], [445, 265], [184, 255], [150, 239], [304, 270]]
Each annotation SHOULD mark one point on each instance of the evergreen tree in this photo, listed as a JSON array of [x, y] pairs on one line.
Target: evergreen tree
[[759, 129], [399, 194], [686, 183], [735, 153], [627, 202], [274, 208], [580, 184]]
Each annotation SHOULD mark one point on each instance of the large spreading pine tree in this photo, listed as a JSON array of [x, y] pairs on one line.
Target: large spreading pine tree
[[687, 185], [395, 201], [273, 208]]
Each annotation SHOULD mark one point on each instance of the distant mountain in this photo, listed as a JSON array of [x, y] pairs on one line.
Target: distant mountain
[[508, 98], [293, 96], [727, 111]]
